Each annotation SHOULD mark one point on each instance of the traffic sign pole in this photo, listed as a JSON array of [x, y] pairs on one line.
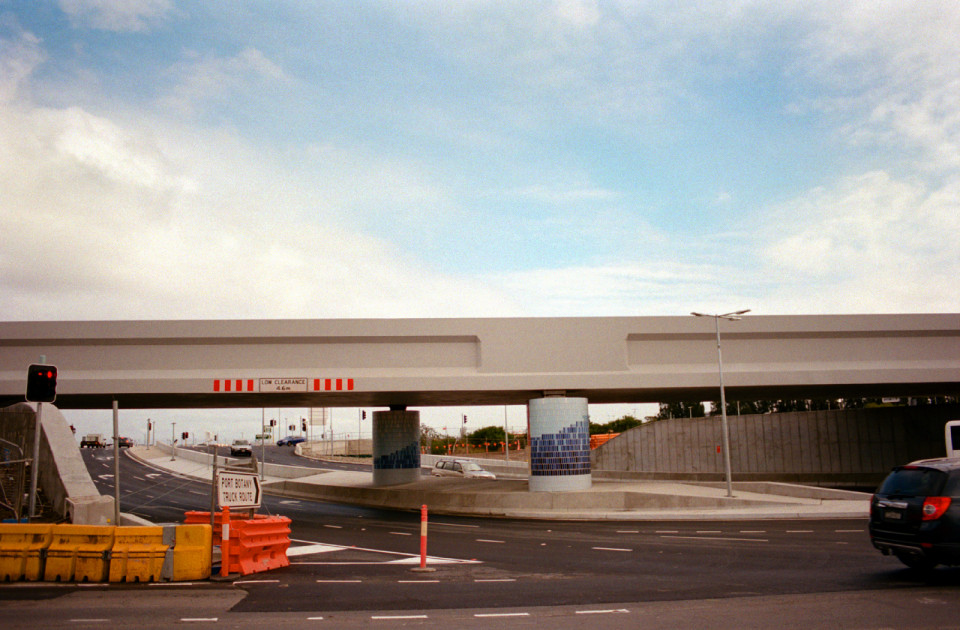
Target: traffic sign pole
[[35, 464]]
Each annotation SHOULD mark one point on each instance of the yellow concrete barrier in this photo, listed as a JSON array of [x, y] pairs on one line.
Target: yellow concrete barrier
[[137, 554], [21, 550], [79, 553], [192, 553]]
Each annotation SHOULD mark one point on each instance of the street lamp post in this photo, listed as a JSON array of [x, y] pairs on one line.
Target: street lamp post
[[725, 427], [173, 441]]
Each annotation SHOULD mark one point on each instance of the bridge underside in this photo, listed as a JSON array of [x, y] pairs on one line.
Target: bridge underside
[[164, 400]]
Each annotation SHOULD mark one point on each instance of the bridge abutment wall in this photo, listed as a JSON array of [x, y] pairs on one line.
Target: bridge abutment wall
[[832, 448]]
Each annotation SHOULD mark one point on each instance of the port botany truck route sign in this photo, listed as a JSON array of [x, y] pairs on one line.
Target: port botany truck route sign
[[238, 490]]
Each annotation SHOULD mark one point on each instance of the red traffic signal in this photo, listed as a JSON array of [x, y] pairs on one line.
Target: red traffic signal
[[42, 383]]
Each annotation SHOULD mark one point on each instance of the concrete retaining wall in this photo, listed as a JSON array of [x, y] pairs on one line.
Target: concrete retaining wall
[[271, 470], [843, 448], [63, 476]]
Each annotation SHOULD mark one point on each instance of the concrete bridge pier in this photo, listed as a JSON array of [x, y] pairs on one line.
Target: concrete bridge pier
[[396, 447], [559, 444]]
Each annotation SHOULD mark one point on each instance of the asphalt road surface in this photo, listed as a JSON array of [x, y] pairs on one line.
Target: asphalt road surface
[[351, 567]]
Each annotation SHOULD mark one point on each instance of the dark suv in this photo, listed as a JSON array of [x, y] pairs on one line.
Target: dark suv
[[915, 514]]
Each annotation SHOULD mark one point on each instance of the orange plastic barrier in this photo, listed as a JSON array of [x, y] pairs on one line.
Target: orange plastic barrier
[[256, 544]]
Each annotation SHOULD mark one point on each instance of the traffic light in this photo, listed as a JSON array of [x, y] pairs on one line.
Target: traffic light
[[273, 423], [42, 383], [304, 424], [185, 435], [364, 415]]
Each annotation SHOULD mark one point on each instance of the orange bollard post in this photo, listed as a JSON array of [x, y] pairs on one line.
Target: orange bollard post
[[423, 536], [225, 543], [423, 543]]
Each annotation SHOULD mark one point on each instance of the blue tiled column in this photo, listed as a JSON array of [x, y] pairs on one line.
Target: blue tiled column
[[396, 447], [559, 444]]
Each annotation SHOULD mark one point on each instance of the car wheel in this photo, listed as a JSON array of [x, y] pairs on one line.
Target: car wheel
[[917, 562]]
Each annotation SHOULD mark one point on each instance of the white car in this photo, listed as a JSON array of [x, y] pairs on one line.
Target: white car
[[241, 447], [460, 468]]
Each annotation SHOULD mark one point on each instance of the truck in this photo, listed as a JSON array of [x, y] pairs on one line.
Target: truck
[[93, 440]]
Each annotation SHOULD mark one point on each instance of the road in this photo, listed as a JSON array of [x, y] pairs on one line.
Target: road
[[353, 565]]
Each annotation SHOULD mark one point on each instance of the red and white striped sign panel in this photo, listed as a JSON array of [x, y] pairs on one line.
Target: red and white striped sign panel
[[283, 385]]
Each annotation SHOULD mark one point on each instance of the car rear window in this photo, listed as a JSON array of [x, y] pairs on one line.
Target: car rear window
[[913, 482]]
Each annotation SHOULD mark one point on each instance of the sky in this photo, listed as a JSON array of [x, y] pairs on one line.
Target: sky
[[162, 159]]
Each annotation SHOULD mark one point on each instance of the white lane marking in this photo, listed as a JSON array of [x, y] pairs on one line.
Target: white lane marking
[[334, 526], [433, 523], [314, 618], [753, 531], [406, 558], [170, 584], [139, 478], [667, 531], [339, 581], [799, 531], [618, 611], [401, 534], [89, 620], [307, 550], [202, 494], [257, 582], [517, 614], [495, 580], [295, 502], [717, 538], [709, 531], [388, 617], [153, 475], [432, 560], [198, 619], [628, 531], [418, 581], [485, 540], [610, 549], [849, 531]]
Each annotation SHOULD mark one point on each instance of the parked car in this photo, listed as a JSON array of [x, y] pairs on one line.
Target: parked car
[[241, 447], [915, 513], [460, 468], [124, 442], [290, 440]]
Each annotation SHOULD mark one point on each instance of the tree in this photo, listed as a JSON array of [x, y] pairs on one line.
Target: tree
[[615, 426], [493, 435], [428, 435], [681, 410]]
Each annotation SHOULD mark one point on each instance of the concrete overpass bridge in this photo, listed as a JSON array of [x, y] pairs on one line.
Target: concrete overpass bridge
[[554, 364]]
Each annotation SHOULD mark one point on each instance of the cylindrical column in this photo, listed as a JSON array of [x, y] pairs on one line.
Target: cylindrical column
[[559, 444], [396, 447]]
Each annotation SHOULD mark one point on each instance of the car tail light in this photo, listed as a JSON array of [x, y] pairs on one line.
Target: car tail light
[[934, 507]]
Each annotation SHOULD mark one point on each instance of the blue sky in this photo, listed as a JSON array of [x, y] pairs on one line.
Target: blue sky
[[419, 159]]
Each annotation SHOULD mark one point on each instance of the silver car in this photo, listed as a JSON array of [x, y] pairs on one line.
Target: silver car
[[241, 447], [460, 468]]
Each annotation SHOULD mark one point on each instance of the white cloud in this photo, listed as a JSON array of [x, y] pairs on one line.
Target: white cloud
[[204, 80], [869, 244], [117, 15], [20, 54], [103, 219], [891, 72]]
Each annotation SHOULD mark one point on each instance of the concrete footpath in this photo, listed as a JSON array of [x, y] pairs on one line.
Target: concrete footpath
[[510, 498]]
